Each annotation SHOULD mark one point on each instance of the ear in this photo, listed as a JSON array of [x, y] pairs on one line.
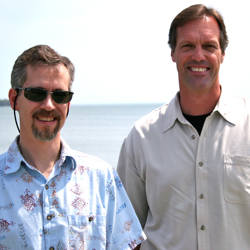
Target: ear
[[222, 58], [12, 97], [172, 55]]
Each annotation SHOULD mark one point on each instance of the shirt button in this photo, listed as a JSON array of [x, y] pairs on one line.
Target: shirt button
[[46, 187], [193, 137], [49, 217], [202, 227], [201, 196], [51, 248], [200, 164], [90, 219]]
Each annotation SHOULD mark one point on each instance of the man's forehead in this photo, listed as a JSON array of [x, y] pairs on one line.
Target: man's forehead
[[49, 70], [46, 73], [205, 26], [44, 67]]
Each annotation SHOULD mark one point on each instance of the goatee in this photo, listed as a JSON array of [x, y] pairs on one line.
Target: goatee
[[46, 134]]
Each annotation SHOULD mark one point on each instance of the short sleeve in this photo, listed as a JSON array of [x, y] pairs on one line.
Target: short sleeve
[[123, 227]]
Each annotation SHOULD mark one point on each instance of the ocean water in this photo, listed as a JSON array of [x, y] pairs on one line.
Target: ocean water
[[97, 130]]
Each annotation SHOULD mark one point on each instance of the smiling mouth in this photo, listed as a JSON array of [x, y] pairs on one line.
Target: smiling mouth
[[44, 119], [195, 69], [46, 116]]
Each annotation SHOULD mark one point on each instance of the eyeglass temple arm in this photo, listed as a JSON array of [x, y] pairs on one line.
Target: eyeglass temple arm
[[15, 111]]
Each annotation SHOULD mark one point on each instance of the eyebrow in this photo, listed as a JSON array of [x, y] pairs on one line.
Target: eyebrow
[[207, 42], [39, 87]]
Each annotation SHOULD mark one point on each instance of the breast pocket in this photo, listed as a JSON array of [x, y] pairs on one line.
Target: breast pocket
[[87, 231], [237, 179]]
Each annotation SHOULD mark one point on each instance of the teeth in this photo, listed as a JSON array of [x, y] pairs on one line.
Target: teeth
[[199, 69], [46, 119]]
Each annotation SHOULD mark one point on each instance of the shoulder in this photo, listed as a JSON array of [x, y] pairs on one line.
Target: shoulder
[[233, 101], [240, 108], [150, 123], [234, 108], [3, 161], [152, 117], [238, 100], [91, 163], [97, 171], [242, 102]]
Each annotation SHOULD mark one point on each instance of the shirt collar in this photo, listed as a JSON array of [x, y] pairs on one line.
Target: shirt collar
[[173, 113], [15, 158], [227, 106]]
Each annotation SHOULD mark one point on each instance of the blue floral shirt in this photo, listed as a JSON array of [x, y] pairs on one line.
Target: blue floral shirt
[[82, 205]]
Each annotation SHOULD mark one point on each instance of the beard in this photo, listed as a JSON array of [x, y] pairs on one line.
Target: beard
[[46, 134]]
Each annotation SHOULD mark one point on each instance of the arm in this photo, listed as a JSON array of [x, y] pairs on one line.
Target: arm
[[131, 178]]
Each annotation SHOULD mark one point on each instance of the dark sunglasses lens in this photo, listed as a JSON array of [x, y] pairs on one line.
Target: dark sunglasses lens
[[62, 96], [35, 95]]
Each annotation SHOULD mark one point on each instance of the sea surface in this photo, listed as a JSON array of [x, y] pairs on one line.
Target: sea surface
[[97, 130]]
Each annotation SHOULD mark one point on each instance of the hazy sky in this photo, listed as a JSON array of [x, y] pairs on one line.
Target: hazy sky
[[119, 47]]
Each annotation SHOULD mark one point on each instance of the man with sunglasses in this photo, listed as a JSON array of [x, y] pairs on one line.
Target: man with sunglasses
[[52, 197]]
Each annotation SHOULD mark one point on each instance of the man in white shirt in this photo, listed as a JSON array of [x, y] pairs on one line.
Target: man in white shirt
[[186, 165]]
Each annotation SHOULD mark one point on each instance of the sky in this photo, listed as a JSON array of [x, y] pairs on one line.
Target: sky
[[119, 48]]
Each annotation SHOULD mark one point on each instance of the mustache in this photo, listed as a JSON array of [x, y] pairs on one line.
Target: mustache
[[46, 113], [194, 62]]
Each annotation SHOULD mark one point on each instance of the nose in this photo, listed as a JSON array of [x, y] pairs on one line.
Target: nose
[[48, 103], [198, 54]]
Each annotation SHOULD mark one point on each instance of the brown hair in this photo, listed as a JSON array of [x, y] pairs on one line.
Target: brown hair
[[195, 12], [40, 55]]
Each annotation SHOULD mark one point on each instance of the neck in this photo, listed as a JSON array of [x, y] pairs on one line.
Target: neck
[[39, 154], [199, 103]]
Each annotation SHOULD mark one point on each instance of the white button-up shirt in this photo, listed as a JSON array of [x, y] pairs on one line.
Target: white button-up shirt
[[82, 205], [189, 191]]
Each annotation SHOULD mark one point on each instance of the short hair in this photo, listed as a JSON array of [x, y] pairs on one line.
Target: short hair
[[40, 55], [195, 12]]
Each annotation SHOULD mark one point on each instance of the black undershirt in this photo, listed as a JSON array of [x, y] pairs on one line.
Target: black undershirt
[[197, 121]]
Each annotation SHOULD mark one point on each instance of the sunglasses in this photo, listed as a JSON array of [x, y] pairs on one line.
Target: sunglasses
[[38, 95]]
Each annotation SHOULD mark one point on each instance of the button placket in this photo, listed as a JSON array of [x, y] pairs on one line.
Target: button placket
[[201, 190], [48, 214]]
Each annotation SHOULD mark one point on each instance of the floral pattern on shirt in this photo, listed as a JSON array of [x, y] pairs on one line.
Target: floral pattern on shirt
[[82, 205]]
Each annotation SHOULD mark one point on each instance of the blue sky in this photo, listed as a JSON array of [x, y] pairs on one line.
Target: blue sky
[[119, 48]]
